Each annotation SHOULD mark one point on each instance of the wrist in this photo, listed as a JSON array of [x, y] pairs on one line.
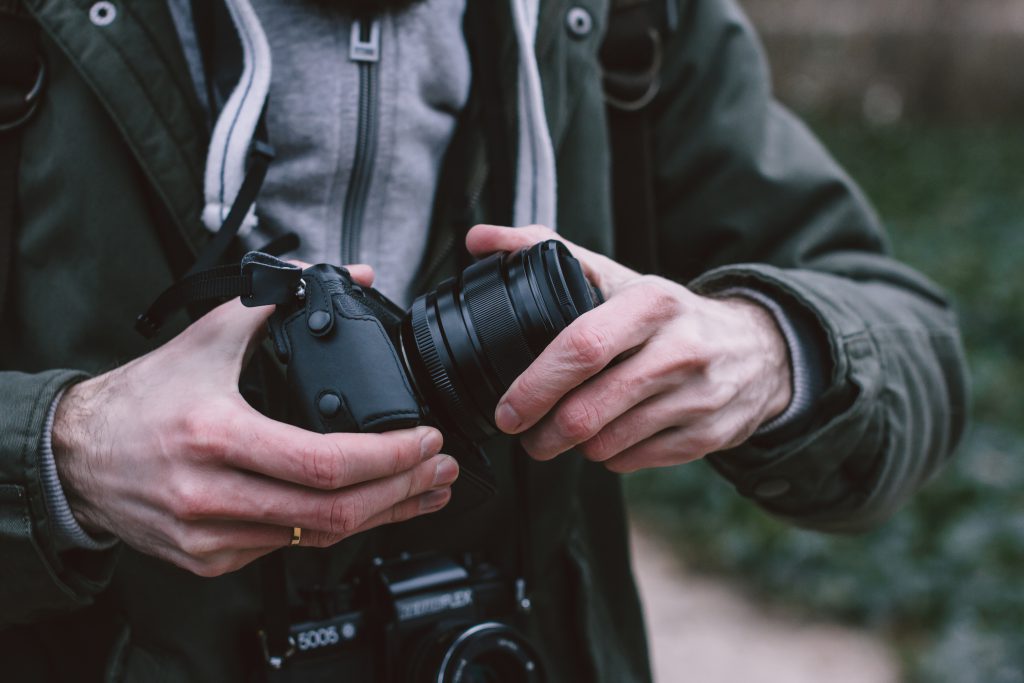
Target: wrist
[[70, 436], [775, 375]]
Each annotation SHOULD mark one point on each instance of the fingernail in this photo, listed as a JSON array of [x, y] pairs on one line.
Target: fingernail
[[430, 445], [507, 418], [434, 500], [446, 472]]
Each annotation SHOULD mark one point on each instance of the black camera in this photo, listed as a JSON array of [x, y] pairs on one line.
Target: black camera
[[358, 363], [425, 618]]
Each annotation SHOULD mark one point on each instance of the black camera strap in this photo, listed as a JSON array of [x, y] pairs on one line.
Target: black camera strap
[[261, 280], [631, 60], [22, 81], [523, 531], [274, 636]]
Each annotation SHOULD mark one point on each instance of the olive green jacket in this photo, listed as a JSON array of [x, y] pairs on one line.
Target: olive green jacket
[[110, 194]]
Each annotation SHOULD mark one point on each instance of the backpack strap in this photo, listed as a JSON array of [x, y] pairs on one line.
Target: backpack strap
[[631, 57], [22, 81]]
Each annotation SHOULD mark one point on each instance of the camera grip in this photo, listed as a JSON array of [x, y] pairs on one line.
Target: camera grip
[[350, 378]]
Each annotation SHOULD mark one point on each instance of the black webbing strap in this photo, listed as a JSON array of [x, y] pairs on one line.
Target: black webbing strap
[[274, 637], [260, 280], [22, 80], [260, 156], [631, 59], [204, 277]]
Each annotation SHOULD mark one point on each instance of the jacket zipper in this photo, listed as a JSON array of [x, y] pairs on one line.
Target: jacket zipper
[[364, 49]]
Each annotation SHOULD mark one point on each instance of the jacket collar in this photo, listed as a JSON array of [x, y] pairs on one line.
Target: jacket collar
[[135, 66]]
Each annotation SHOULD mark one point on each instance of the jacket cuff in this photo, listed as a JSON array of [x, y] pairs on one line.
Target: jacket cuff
[[770, 468], [39, 580], [68, 533], [806, 361]]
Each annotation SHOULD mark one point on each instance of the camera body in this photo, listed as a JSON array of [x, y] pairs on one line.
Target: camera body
[[359, 363], [419, 618]]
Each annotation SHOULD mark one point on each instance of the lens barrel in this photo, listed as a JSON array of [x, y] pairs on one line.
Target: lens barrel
[[468, 340]]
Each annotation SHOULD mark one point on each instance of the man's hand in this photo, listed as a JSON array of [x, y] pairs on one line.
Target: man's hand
[[165, 454], [656, 376]]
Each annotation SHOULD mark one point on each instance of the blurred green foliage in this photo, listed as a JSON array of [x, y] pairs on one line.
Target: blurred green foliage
[[944, 580]]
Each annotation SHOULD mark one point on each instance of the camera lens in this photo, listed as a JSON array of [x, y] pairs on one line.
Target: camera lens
[[495, 667], [490, 652], [468, 340]]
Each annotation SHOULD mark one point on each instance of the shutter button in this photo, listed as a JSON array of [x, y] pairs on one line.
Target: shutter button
[[103, 13], [579, 22]]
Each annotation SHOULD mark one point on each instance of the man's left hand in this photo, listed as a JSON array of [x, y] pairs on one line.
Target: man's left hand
[[655, 376]]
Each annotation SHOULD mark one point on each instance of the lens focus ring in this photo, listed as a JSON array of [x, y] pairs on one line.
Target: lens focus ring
[[439, 378], [496, 324]]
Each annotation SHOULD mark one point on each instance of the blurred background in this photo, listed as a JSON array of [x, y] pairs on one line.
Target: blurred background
[[923, 102]]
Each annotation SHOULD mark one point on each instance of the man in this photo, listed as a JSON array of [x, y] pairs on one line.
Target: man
[[140, 491]]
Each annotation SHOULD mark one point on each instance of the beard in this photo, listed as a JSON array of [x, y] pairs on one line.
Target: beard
[[365, 8]]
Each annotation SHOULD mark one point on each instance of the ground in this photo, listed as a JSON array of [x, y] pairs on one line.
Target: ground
[[707, 631]]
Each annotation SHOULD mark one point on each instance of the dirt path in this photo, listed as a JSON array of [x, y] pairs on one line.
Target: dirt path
[[704, 631]]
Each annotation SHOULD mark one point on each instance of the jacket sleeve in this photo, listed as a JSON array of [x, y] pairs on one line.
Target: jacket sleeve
[[748, 198], [36, 580]]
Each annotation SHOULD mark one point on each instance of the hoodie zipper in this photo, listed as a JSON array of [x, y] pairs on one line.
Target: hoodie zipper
[[364, 49]]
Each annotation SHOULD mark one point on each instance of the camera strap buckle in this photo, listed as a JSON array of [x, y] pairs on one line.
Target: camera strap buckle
[[269, 280], [262, 280]]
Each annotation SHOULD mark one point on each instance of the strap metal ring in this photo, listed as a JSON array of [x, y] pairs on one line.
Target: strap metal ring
[[32, 99], [649, 77]]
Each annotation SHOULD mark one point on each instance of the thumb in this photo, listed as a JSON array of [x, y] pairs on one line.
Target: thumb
[[226, 335], [608, 275], [487, 239]]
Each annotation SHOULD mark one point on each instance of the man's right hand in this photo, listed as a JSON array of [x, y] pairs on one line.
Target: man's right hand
[[166, 455]]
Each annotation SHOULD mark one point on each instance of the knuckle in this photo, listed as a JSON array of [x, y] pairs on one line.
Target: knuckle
[[578, 421], [345, 514], [718, 399], [204, 434], [660, 301], [633, 384], [325, 468], [599, 448], [687, 356], [700, 444], [190, 501], [197, 545], [708, 403], [589, 346]]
